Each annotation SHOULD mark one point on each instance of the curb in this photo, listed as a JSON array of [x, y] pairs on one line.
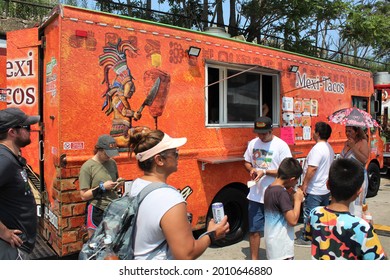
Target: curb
[[382, 230]]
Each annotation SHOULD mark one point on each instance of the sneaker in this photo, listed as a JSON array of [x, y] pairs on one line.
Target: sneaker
[[302, 243]]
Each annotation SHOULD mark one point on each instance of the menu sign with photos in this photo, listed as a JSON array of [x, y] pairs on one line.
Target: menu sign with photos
[[297, 120], [297, 105], [306, 133], [314, 107], [306, 106], [287, 104]]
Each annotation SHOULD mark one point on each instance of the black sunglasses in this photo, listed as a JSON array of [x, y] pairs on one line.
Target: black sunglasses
[[175, 154], [26, 127]]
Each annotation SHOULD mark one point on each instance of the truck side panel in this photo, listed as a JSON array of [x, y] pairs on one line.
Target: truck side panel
[[22, 82]]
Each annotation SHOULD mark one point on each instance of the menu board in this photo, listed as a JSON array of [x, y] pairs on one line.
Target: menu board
[[306, 107], [314, 107]]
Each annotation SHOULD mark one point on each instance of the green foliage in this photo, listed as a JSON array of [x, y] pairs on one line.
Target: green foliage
[[31, 10], [368, 25], [70, 2], [185, 14]]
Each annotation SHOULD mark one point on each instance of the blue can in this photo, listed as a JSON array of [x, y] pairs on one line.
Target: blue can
[[218, 212]]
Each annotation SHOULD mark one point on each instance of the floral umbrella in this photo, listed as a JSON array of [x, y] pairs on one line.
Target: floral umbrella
[[353, 117]]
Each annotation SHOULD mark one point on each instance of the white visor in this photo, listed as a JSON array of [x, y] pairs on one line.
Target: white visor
[[165, 144]]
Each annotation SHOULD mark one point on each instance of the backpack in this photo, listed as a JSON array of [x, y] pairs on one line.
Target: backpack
[[119, 224]]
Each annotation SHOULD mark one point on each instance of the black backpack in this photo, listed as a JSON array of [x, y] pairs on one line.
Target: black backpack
[[118, 224]]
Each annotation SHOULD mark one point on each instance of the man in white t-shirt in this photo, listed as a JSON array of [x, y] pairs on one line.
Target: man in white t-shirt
[[262, 159], [315, 174]]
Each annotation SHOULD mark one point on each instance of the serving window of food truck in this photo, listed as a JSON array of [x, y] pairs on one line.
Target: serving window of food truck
[[235, 94]]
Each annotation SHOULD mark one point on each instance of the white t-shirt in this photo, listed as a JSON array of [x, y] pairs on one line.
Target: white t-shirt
[[149, 233], [321, 156], [265, 155]]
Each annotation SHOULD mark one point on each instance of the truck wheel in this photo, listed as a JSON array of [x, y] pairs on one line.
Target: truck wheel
[[235, 205], [374, 179]]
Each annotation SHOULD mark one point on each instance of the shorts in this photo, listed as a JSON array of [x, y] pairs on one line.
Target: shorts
[[94, 217], [7, 252], [256, 216]]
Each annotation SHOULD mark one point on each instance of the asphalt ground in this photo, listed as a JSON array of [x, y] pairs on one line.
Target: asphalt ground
[[378, 206]]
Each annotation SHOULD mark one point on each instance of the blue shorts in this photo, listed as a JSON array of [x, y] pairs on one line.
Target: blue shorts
[[256, 216]]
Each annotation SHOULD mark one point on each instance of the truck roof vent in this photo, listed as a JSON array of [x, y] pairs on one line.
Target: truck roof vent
[[382, 78], [217, 31]]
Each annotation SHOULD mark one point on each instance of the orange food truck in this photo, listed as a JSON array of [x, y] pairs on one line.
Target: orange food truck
[[87, 72]]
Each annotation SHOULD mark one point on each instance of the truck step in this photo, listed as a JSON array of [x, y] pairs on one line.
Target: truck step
[[42, 250]]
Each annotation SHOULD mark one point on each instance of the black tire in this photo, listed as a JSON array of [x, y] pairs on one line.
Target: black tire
[[235, 205], [374, 179]]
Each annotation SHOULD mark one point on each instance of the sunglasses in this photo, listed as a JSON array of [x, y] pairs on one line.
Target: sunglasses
[[26, 127], [175, 153]]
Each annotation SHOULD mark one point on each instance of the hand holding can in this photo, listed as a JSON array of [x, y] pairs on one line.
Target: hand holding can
[[218, 212]]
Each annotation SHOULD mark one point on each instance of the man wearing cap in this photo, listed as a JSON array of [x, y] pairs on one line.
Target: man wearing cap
[[18, 219], [262, 159], [99, 180]]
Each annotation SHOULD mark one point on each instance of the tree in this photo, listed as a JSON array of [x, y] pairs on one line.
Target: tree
[[205, 15], [70, 2], [183, 13], [367, 29], [328, 16], [30, 10], [261, 17], [233, 26]]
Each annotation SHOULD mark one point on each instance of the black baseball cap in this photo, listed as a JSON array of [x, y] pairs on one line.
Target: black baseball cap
[[263, 125], [13, 117], [108, 144]]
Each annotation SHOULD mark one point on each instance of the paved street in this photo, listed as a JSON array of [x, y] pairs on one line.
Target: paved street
[[379, 206]]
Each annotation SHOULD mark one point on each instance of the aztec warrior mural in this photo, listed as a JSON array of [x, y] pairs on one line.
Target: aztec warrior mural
[[122, 87]]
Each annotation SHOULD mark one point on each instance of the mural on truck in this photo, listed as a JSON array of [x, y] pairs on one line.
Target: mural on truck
[[120, 86]]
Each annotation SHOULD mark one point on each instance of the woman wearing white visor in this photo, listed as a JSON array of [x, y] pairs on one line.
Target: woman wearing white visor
[[162, 219]]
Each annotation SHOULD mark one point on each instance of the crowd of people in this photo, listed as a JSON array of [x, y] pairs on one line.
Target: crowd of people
[[274, 200], [330, 187]]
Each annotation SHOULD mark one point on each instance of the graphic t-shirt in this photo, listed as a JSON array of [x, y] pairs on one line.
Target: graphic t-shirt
[[268, 156], [278, 234], [341, 236]]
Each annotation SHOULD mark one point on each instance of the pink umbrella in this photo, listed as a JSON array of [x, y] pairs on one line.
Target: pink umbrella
[[353, 117]]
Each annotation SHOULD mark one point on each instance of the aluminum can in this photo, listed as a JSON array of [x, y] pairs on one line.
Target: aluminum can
[[218, 212]]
